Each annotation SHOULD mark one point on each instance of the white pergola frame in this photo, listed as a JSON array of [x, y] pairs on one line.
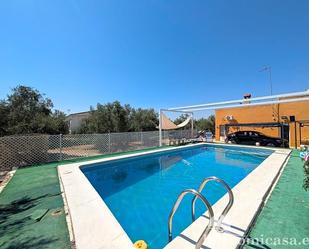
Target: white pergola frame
[[265, 100], [168, 110]]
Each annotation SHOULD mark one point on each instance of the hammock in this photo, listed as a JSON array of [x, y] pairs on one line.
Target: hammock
[[167, 124]]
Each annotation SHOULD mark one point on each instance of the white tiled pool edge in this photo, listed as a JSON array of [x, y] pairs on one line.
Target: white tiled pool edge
[[95, 227]]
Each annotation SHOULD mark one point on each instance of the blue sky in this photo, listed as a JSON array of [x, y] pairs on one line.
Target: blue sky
[[152, 53]]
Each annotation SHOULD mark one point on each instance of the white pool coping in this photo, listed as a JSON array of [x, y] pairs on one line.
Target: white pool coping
[[95, 227]]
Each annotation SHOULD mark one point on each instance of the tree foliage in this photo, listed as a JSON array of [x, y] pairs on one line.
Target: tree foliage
[[113, 117], [143, 119], [181, 119], [4, 113], [27, 111], [206, 124]]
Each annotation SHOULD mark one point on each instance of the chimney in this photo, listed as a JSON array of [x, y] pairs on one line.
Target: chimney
[[247, 96]]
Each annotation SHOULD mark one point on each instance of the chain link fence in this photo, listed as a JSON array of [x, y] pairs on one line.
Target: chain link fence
[[19, 151]]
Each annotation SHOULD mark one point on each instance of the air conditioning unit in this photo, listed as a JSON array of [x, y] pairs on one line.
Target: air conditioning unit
[[229, 117]]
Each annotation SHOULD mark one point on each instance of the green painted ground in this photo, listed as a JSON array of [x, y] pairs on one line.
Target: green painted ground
[[284, 221], [34, 193]]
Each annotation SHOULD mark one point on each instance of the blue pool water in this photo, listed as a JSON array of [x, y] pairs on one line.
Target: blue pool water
[[141, 191]]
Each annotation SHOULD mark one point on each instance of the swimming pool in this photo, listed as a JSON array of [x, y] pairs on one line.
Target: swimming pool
[[140, 191]]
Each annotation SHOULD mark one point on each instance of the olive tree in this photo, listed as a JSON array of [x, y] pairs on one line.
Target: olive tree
[[27, 111]]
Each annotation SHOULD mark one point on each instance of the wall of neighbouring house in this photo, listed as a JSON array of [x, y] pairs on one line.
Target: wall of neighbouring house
[[266, 114], [75, 120]]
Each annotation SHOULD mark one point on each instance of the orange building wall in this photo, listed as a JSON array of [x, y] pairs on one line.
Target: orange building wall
[[266, 114]]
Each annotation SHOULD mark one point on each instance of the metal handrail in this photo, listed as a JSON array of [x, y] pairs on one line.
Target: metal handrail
[[175, 207], [226, 209]]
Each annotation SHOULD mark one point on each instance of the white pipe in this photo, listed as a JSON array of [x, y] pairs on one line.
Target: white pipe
[[192, 125], [160, 128], [167, 110], [249, 104], [186, 108]]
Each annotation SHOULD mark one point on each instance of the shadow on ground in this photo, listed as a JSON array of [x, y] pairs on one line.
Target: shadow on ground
[[256, 244], [29, 243]]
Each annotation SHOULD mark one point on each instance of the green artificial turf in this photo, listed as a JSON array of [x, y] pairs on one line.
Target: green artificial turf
[[30, 191], [284, 221]]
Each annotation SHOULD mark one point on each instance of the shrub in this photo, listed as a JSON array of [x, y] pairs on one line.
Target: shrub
[[306, 180]]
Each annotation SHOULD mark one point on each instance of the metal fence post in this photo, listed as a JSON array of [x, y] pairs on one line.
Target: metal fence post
[[142, 138], [109, 142], [60, 146], [160, 128]]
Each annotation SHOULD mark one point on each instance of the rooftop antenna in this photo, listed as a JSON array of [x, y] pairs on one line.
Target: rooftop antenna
[[268, 68], [275, 112]]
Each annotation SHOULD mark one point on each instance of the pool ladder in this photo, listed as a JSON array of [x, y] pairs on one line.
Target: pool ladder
[[197, 194]]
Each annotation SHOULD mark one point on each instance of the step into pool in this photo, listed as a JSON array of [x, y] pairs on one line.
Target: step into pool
[[140, 191]]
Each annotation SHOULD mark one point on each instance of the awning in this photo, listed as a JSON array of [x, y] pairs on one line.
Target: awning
[[167, 124]]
